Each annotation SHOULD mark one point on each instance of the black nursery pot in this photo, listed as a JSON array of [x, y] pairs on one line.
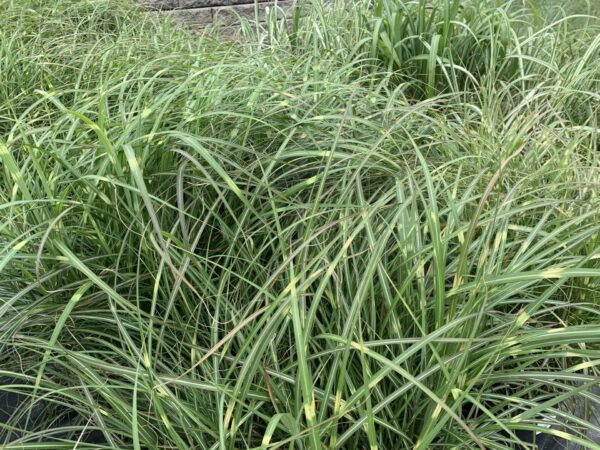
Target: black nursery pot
[[18, 418]]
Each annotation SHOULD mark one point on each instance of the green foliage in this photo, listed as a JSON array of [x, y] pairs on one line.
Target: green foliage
[[277, 243], [444, 44]]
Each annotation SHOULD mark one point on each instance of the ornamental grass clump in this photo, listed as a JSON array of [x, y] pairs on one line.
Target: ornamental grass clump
[[211, 244], [446, 45]]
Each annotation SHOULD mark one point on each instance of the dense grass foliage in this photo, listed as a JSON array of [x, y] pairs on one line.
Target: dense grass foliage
[[331, 233], [445, 44]]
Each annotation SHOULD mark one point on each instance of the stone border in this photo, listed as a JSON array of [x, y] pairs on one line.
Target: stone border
[[225, 13]]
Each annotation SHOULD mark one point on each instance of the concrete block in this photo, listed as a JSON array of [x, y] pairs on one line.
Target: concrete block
[[188, 4], [193, 17], [160, 4], [231, 15]]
